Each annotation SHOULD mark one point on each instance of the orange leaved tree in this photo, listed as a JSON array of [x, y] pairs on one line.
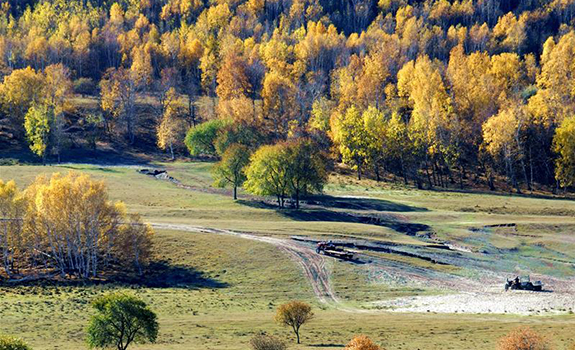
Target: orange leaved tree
[[524, 338], [362, 342]]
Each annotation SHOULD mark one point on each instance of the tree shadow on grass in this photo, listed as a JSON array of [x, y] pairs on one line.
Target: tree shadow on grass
[[158, 274], [161, 274], [333, 202], [359, 203], [315, 212], [408, 228], [326, 345], [72, 167]]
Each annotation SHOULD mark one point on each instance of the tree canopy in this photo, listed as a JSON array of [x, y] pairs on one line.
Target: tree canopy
[[121, 320], [446, 80], [230, 170], [286, 169], [65, 225], [294, 314]]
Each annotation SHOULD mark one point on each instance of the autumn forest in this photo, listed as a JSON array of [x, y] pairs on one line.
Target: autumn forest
[[429, 93]]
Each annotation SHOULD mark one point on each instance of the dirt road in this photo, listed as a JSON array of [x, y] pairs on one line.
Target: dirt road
[[312, 264], [458, 295]]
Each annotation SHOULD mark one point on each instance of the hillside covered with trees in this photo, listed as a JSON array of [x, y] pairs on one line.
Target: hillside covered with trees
[[435, 93]]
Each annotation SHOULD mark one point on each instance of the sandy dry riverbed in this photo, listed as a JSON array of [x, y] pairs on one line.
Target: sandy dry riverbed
[[489, 301]]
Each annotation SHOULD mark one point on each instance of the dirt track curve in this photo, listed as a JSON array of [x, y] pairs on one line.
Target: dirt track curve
[[467, 296], [312, 264]]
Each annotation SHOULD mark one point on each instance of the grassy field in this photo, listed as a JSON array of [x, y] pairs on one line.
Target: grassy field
[[215, 292]]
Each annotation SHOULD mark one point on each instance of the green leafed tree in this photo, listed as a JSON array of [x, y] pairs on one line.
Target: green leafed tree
[[38, 123], [399, 148], [306, 168], [200, 138], [375, 125], [286, 169], [121, 320], [349, 134], [230, 170], [238, 133], [267, 173]]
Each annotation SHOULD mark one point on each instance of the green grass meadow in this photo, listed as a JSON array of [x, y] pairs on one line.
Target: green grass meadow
[[221, 290]]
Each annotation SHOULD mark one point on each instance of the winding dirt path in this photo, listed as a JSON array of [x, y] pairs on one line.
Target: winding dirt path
[[312, 264], [465, 296]]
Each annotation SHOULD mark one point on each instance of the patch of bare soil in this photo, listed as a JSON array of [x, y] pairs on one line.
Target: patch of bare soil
[[483, 302]]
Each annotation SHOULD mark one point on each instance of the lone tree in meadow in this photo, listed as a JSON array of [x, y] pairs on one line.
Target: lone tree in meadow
[[362, 342], [524, 338], [230, 170], [294, 314], [12, 343], [121, 320]]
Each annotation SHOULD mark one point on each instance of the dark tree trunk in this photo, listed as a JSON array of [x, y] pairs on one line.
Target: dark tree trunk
[[428, 175], [297, 198]]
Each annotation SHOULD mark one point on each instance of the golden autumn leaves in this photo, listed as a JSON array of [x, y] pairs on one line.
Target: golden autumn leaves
[[37, 100], [65, 225]]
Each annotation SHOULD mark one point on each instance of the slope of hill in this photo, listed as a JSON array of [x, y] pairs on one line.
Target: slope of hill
[[440, 93]]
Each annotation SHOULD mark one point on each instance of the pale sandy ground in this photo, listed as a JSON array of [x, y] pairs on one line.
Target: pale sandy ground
[[490, 300]]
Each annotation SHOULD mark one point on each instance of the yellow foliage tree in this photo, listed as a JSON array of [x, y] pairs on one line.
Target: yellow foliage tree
[[20, 90], [434, 127], [555, 98], [118, 91], [474, 90], [564, 146], [294, 314], [171, 129], [421, 82], [279, 97], [12, 209], [66, 225], [233, 81], [502, 135]]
